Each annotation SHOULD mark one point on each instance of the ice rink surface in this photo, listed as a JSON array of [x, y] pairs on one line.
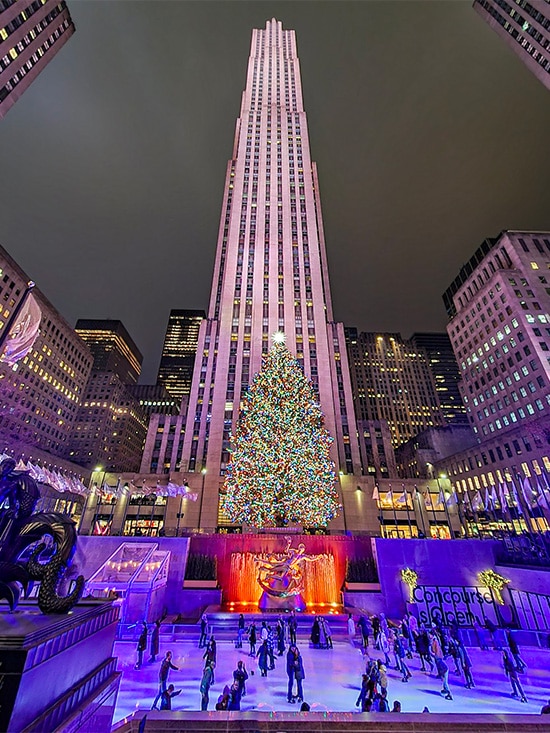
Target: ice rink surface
[[333, 679]]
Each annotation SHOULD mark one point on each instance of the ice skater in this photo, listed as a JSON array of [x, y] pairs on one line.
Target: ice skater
[[252, 639], [166, 697], [511, 672], [204, 631], [240, 632], [295, 671], [443, 674], [206, 682], [240, 675], [155, 640], [262, 658], [515, 652], [141, 645], [164, 670]]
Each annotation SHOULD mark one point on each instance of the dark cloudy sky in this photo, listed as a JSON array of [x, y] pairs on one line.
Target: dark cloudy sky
[[429, 134]]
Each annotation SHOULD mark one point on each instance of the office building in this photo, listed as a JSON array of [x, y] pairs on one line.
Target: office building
[[499, 311], [392, 381], [525, 27], [31, 33], [445, 372], [111, 425], [175, 372], [270, 273], [112, 347], [41, 394]]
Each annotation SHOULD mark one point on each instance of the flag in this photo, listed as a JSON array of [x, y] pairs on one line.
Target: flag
[[23, 333], [477, 502], [440, 500], [403, 499], [388, 499], [527, 491], [375, 494], [517, 501], [494, 499], [488, 499], [452, 498]]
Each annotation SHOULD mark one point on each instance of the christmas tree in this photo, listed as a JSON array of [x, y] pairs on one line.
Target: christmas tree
[[280, 468]]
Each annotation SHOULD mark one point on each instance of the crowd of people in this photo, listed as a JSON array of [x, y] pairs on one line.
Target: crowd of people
[[437, 646]]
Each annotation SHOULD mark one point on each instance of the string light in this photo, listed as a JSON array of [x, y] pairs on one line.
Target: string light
[[280, 469]]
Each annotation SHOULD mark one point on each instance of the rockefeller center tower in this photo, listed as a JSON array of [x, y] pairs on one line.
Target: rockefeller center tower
[[270, 274]]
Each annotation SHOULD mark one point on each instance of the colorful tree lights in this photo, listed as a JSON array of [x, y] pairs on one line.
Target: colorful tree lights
[[280, 468]]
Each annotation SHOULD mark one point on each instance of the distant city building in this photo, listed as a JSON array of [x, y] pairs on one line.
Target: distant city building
[[31, 33], [40, 396], [525, 27], [111, 425], [178, 352], [392, 381], [499, 310], [154, 398], [112, 347], [420, 456], [446, 374]]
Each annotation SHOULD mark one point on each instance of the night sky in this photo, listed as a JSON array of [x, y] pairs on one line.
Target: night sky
[[429, 134]]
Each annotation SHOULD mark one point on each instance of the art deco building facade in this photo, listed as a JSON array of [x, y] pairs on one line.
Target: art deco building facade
[[525, 26], [270, 272], [446, 374], [392, 381], [112, 347], [499, 310], [40, 397], [31, 33], [178, 352], [110, 425]]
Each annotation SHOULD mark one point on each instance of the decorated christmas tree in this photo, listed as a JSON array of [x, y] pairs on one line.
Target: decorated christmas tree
[[280, 468]]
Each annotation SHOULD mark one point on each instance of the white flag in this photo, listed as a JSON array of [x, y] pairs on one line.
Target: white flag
[[23, 333], [477, 502], [375, 494]]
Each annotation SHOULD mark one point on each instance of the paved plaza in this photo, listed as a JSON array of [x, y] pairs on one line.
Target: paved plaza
[[332, 683]]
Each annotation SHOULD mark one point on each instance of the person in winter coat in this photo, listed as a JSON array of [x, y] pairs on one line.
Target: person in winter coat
[[384, 645], [234, 697], [252, 638], [511, 672], [206, 682], [240, 632], [164, 670], [382, 676], [316, 632], [400, 654], [351, 629], [514, 651], [443, 674], [295, 671], [263, 658], [466, 663], [292, 627], [166, 697], [364, 694], [240, 675], [328, 634], [422, 642], [141, 645], [280, 637], [210, 653], [155, 639], [204, 631], [364, 628], [375, 621]]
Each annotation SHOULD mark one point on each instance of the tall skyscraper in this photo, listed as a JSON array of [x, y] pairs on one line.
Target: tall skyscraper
[[112, 347], [31, 33], [392, 381], [179, 351], [270, 272], [446, 374], [525, 27]]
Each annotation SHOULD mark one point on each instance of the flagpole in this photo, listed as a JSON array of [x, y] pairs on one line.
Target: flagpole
[[433, 511], [442, 493], [4, 334], [407, 508], [418, 497]]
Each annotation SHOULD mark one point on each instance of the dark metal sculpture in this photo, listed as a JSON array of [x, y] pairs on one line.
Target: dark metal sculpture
[[50, 539]]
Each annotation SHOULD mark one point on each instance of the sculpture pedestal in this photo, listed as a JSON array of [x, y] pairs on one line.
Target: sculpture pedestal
[[274, 603], [58, 670]]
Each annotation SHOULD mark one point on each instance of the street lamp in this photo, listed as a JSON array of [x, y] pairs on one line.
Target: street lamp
[[203, 471]]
